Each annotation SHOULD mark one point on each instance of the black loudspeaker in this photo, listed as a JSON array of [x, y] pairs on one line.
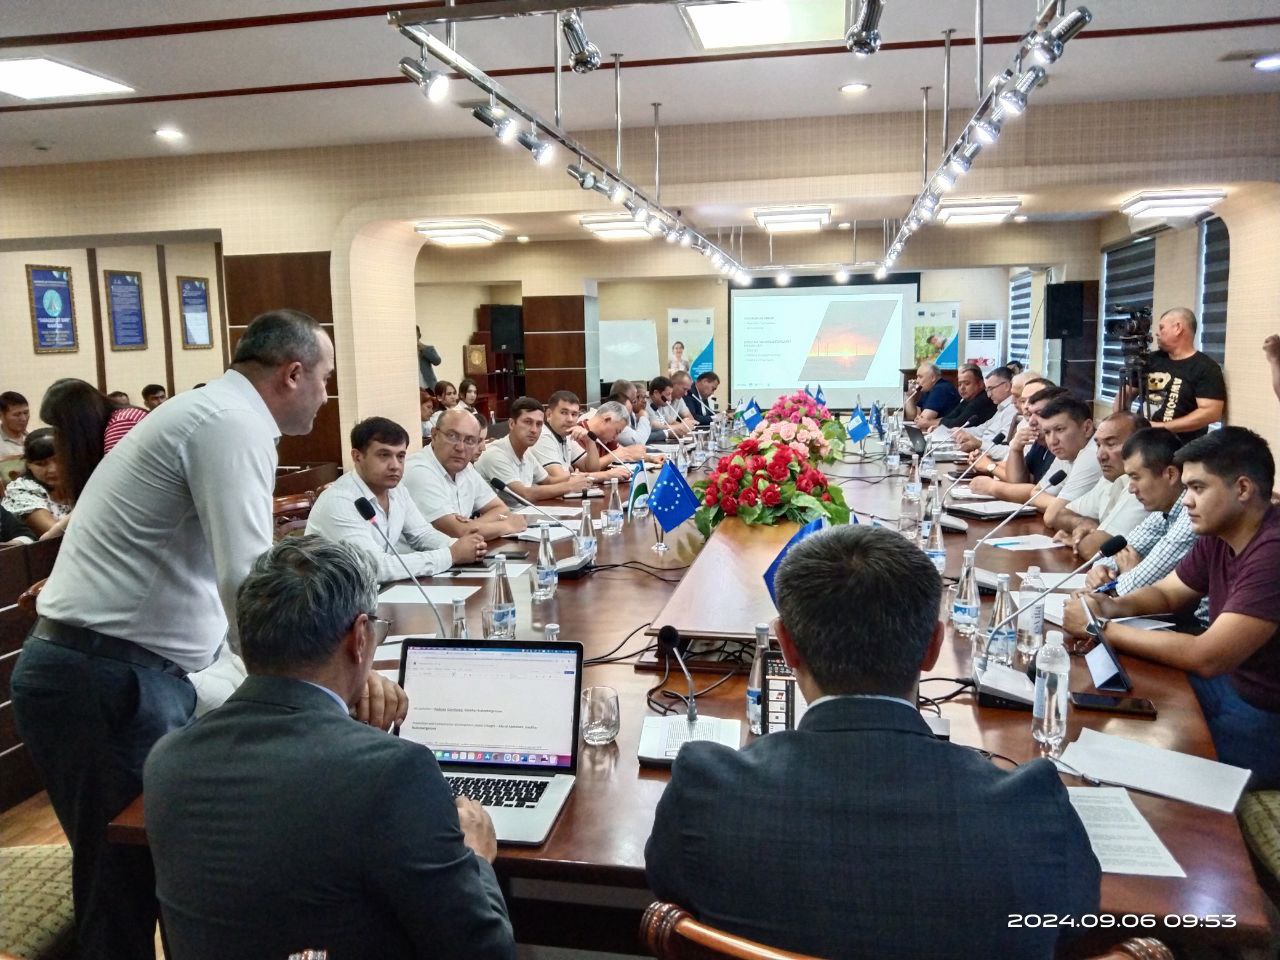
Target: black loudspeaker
[[507, 326], [1063, 310]]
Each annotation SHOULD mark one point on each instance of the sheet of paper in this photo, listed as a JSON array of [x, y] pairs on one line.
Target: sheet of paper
[[1074, 582], [1121, 838], [989, 508], [408, 593], [553, 510], [1166, 773], [482, 573], [1032, 541], [964, 493], [535, 535]]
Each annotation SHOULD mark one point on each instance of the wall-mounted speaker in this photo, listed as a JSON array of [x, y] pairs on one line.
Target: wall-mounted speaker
[[1063, 310]]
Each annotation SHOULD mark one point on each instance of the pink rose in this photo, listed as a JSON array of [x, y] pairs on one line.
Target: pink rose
[[787, 431]]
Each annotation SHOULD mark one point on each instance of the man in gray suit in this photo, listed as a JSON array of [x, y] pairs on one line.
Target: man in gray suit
[[280, 825], [860, 834]]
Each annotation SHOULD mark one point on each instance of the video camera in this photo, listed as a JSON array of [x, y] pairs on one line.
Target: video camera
[[1132, 327], [1130, 323]]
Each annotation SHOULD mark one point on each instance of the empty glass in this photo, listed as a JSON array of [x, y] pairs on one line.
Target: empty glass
[[600, 718]]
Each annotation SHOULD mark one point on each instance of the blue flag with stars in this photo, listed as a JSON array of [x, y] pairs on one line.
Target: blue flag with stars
[[810, 528], [752, 415], [859, 429], [819, 397], [672, 500], [877, 420]]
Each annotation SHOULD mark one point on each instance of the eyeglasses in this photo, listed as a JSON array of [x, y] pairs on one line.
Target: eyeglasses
[[454, 439], [380, 629]]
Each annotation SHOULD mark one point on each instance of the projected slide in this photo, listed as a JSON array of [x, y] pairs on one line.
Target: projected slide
[[849, 340]]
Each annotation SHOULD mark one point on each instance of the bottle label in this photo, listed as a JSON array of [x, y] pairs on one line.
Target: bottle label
[[1040, 703], [586, 546], [965, 613], [939, 558], [547, 577], [504, 617]]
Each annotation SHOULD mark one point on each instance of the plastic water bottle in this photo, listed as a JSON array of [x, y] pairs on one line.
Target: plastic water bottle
[[545, 574], [892, 456], [967, 604], [934, 548], [928, 465], [909, 514], [1001, 638], [1052, 702], [930, 513], [500, 608], [1030, 613], [459, 630], [912, 488], [584, 544], [682, 459], [613, 511], [755, 680]]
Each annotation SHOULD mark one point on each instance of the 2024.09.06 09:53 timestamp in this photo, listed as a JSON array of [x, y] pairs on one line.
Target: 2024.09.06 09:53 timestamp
[[1122, 921]]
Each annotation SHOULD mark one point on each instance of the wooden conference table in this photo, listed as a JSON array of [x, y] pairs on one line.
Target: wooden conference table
[[600, 836]]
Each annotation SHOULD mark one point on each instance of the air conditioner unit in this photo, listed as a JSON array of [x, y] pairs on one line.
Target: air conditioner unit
[[984, 343]]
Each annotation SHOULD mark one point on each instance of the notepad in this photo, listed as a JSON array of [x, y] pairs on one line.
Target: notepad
[[408, 593], [550, 510], [1120, 835], [1077, 581], [990, 508], [1032, 541]]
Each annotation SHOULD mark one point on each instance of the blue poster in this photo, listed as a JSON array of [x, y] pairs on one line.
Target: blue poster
[[194, 294], [124, 307], [52, 317]]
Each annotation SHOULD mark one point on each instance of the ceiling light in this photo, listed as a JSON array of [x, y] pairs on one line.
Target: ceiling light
[[433, 84], [614, 226], [619, 192], [1013, 101], [986, 132], [842, 275], [806, 219], [852, 89], [686, 238], [742, 278], [945, 180], [639, 212], [522, 239], [782, 279], [1047, 47], [460, 233], [846, 225], [1170, 203], [977, 210], [504, 127], [1269, 63], [586, 178], [170, 133], [881, 272], [961, 158], [757, 23], [863, 36], [674, 234], [37, 78], [584, 56], [1020, 218], [543, 150], [656, 227]]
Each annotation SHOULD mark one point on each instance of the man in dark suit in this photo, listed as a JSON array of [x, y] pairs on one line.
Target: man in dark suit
[[698, 400], [280, 825], [860, 834]]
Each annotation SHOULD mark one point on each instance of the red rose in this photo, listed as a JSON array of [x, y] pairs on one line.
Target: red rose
[[723, 465], [730, 506], [750, 497], [728, 485], [772, 496], [735, 472], [711, 499], [804, 484], [749, 446], [756, 463], [783, 454], [778, 471], [826, 497]]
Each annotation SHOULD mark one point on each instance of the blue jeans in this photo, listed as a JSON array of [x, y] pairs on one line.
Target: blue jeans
[[89, 722], [1243, 735]]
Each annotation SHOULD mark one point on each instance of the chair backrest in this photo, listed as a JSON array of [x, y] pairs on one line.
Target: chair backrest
[[290, 513]]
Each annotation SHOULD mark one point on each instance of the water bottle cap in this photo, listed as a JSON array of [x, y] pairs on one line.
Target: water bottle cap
[[1033, 570], [1053, 636]]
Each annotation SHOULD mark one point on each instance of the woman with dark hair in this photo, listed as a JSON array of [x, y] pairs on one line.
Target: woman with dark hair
[[87, 425], [36, 497], [446, 399], [468, 391]]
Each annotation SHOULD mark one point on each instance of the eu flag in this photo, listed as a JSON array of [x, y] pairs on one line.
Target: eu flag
[[819, 397], [859, 429], [672, 500], [752, 415], [812, 527]]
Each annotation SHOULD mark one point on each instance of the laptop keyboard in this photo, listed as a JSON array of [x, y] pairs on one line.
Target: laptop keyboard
[[499, 792]]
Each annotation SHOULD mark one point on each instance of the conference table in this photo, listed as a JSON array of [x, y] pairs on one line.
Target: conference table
[[714, 591]]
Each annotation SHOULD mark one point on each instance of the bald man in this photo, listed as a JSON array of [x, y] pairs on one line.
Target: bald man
[[1185, 389]]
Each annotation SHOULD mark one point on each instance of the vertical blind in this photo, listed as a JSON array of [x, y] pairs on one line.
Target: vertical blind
[[1215, 254], [1020, 319], [1128, 280]]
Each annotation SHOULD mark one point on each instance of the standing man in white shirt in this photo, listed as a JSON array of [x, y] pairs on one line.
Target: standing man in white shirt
[[447, 488], [378, 449], [512, 460], [143, 592]]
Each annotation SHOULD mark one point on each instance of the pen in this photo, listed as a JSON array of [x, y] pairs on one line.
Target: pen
[[1107, 587]]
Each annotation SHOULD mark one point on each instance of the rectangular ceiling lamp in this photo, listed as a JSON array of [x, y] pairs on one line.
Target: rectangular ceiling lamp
[[809, 219], [764, 23], [614, 226], [977, 210], [1170, 203], [460, 233], [35, 78]]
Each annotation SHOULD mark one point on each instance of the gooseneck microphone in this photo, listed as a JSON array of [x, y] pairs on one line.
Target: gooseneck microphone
[[501, 487], [366, 510], [1109, 549], [669, 644], [993, 442], [1051, 481]]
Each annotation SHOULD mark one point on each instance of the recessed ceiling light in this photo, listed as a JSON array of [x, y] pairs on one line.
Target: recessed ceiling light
[[846, 225], [460, 233], [522, 239], [856, 87], [1269, 63], [1020, 218], [170, 133], [614, 226], [806, 219], [976, 210], [36, 78], [1170, 203]]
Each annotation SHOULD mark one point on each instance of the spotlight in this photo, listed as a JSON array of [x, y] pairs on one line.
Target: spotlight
[[881, 272], [675, 234], [986, 132], [961, 158], [743, 278], [1013, 101], [586, 178], [945, 180], [717, 260], [863, 36], [1270, 63], [504, 127], [584, 56], [639, 212], [434, 85], [842, 275], [686, 238], [928, 200], [656, 227], [542, 150], [1047, 47], [619, 192], [782, 279]]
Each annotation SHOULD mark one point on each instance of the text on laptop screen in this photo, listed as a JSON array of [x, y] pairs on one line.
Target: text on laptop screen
[[492, 705]]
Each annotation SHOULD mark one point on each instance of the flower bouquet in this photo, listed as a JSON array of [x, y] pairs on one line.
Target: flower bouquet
[[800, 418], [766, 481]]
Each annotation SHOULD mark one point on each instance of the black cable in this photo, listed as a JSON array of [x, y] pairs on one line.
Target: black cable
[[622, 657], [603, 656], [662, 708]]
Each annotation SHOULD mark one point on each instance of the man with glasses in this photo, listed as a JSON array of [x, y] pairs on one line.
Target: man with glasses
[[1001, 397], [275, 784], [448, 489], [378, 449]]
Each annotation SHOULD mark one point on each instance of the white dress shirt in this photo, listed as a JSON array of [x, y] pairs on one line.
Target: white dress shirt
[[1110, 503], [1000, 421], [661, 417], [1082, 473], [424, 549], [499, 460], [437, 494], [635, 432], [169, 525]]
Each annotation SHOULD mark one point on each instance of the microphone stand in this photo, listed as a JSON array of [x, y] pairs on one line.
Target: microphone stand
[[1040, 488], [501, 487], [982, 451], [672, 646], [367, 511]]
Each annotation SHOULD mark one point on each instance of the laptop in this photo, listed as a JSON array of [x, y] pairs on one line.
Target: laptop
[[502, 720]]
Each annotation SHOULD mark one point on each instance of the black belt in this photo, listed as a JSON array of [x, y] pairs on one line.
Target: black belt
[[95, 644]]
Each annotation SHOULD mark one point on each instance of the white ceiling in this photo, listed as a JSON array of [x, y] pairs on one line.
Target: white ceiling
[[1168, 65]]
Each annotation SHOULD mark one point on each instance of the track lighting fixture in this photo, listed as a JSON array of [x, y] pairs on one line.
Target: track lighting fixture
[[961, 158], [863, 36], [1047, 47], [1013, 101], [504, 127], [542, 150], [433, 84], [639, 212], [586, 178], [986, 132], [584, 56], [881, 272], [686, 238]]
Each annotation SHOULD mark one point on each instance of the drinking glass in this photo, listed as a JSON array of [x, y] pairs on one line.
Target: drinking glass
[[600, 717]]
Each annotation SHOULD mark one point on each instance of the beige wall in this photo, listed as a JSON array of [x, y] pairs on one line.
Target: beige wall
[[1177, 282], [192, 366], [447, 314], [128, 370]]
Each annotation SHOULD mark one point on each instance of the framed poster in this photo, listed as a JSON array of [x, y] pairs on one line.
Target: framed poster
[[53, 320], [474, 361], [193, 292], [691, 340], [124, 310], [935, 335]]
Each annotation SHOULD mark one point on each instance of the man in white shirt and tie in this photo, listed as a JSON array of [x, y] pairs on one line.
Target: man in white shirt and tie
[[378, 449]]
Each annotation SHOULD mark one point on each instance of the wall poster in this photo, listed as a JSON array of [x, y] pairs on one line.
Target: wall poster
[[124, 310], [690, 340], [53, 321], [193, 293]]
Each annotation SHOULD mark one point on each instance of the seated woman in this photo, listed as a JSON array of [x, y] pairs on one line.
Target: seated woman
[[87, 424], [427, 404], [446, 399], [468, 391], [35, 498]]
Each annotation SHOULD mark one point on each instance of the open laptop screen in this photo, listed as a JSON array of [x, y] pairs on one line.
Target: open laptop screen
[[493, 706]]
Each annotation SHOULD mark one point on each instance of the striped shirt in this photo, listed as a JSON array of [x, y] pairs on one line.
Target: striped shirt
[[118, 424], [1162, 539]]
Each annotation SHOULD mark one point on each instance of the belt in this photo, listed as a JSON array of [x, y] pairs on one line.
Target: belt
[[95, 644]]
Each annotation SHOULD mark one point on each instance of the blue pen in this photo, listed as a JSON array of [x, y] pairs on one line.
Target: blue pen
[[1107, 587]]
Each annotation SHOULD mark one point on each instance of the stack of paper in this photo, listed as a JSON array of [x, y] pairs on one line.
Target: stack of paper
[[408, 593], [552, 510], [1032, 541], [1121, 838], [1055, 603]]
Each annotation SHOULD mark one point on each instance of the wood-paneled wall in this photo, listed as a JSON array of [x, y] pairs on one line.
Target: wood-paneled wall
[[555, 346]]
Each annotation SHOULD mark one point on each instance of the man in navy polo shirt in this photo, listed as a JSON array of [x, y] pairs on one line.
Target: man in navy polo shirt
[[929, 398]]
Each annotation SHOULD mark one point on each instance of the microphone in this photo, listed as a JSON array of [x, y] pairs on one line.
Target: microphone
[[367, 511], [1051, 481], [1108, 549], [501, 487], [669, 643], [993, 442]]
